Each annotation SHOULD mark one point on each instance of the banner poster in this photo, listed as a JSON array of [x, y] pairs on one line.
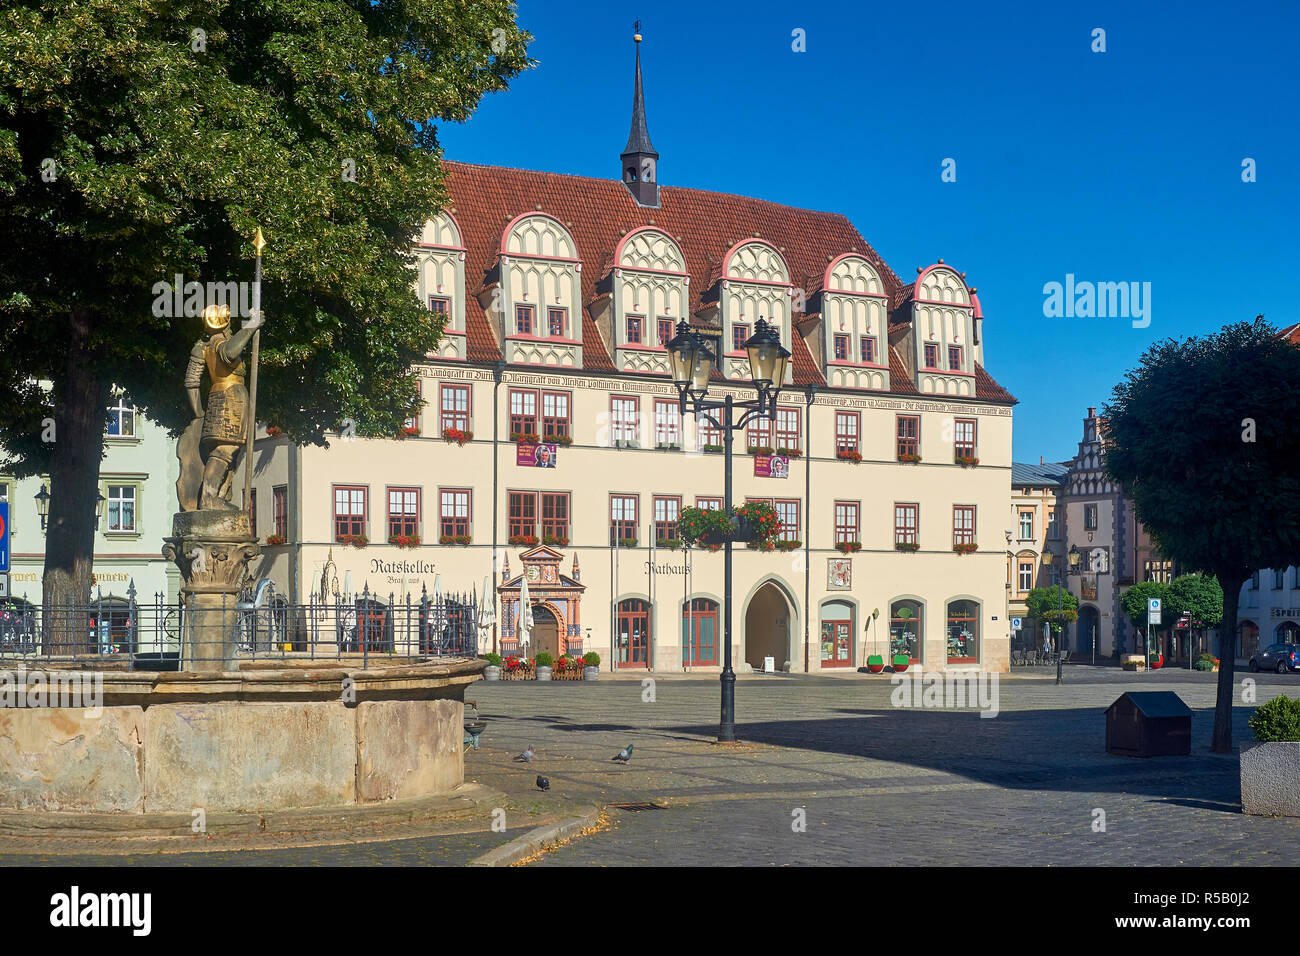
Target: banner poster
[[535, 456], [771, 466]]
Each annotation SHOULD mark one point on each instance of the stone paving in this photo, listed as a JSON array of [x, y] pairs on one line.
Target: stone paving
[[879, 785]]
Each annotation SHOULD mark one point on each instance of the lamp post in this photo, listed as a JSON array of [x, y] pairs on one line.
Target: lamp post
[[42, 504], [692, 362], [1060, 605]]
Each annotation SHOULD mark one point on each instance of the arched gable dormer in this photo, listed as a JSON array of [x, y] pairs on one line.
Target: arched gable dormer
[[943, 331], [650, 296], [854, 324], [755, 284], [440, 279], [540, 296]]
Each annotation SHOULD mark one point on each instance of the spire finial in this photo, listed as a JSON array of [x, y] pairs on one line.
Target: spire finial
[[636, 31]]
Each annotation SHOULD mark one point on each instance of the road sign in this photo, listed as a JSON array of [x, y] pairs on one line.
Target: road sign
[[1015, 623], [4, 537], [1153, 611], [4, 585]]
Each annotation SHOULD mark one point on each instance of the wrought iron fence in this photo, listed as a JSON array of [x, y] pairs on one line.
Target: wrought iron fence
[[133, 635]]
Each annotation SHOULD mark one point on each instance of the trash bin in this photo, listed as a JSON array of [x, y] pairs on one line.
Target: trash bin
[[1151, 723]]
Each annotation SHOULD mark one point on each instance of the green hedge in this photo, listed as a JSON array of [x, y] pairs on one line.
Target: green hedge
[[1279, 719]]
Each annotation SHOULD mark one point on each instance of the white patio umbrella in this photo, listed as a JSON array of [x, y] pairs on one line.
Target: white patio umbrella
[[487, 606], [525, 617]]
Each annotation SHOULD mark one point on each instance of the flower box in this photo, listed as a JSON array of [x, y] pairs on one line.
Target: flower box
[[671, 544], [848, 547], [625, 443], [559, 439], [848, 454], [556, 540], [410, 431], [627, 542], [759, 544], [457, 435], [523, 438], [790, 452], [523, 540], [517, 668], [668, 446], [455, 539], [356, 540], [965, 548], [713, 449], [760, 450], [274, 540], [909, 458], [966, 461], [273, 432], [789, 545], [405, 540], [907, 546]]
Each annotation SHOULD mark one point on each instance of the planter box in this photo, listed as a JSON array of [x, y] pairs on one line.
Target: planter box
[[1270, 778], [1133, 662], [543, 673], [491, 673], [591, 673]]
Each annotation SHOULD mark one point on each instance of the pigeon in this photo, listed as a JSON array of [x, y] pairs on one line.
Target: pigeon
[[527, 755], [543, 784], [624, 755]]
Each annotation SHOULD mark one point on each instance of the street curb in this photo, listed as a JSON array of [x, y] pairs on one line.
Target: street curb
[[537, 839]]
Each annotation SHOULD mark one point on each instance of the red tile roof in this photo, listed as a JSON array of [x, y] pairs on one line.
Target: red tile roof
[[599, 212]]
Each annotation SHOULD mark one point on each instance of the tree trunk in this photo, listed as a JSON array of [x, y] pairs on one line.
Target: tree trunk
[[1222, 742], [80, 401]]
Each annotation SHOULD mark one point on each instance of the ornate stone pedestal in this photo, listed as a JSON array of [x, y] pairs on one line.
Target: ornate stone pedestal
[[212, 550]]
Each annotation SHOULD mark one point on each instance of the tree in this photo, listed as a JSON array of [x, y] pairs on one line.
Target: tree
[[1199, 597], [1042, 604], [1134, 601], [141, 140], [1202, 438]]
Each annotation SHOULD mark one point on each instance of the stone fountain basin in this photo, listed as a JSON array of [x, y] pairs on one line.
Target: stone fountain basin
[[272, 735]]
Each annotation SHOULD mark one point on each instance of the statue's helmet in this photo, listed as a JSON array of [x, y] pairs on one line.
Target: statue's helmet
[[216, 317]]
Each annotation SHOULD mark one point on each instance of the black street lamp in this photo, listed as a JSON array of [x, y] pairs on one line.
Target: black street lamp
[[42, 504], [692, 362]]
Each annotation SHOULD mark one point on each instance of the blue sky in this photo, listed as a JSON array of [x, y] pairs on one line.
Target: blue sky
[[1117, 166]]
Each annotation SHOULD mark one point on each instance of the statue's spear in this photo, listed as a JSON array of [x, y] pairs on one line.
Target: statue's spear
[[251, 424]]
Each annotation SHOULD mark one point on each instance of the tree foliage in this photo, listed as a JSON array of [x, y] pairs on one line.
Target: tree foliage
[[1134, 602], [140, 140], [1202, 437], [1042, 603], [1199, 596]]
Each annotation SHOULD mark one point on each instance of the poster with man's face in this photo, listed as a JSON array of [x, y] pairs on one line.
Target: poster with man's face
[[535, 456]]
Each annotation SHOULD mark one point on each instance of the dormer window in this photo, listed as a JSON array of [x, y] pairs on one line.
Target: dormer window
[[868, 350], [555, 322], [931, 355], [841, 348], [523, 320], [739, 335], [665, 328], [634, 329], [439, 305], [954, 358]]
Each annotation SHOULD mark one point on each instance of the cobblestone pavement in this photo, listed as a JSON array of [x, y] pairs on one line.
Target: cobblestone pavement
[[879, 784]]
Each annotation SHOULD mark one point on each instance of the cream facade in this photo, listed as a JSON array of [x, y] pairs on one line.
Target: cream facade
[[550, 447], [1035, 543], [137, 480]]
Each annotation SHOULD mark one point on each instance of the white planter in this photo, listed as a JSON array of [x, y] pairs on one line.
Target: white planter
[[591, 673], [1270, 778], [491, 673], [543, 673]]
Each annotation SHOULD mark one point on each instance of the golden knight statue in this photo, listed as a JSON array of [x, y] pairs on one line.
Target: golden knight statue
[[208, 445]]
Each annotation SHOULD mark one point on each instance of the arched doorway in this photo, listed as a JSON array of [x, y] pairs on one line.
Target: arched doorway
[[767, 627], [1288, 632], [546, 632], [837, 634], [1086, 630]]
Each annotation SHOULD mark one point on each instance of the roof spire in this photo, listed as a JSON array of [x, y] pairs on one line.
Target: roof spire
[[639, 159]]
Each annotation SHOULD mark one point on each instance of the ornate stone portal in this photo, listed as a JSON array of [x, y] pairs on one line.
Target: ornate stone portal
[[212, 539]]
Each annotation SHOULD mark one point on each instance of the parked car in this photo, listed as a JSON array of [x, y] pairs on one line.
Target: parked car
[[1277, 657]]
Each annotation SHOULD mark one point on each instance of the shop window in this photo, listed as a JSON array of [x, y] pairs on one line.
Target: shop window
[[905, 630], [963, 632]]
